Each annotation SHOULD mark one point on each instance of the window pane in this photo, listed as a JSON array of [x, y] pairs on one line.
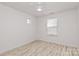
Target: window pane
[[52, 26], [52, 22], [52, 31]]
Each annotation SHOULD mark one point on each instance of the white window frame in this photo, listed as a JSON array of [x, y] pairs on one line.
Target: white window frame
[[51, 27]]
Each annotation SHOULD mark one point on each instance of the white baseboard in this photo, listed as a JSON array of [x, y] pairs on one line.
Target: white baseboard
[[16, 46], [69, 45]]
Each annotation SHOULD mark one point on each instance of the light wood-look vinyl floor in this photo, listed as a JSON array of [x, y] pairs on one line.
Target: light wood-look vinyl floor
[[42, 48]]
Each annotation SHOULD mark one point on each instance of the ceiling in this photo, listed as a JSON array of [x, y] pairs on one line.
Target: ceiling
[[47, 7]]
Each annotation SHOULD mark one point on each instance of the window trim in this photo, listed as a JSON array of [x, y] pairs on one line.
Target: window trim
[[52, 26]]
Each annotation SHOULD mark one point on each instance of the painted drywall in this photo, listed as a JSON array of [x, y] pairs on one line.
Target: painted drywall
[[67, 28], [14, 31], [78, 22]]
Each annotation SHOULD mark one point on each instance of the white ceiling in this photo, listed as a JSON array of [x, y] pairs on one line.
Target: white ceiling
[[48, 7]]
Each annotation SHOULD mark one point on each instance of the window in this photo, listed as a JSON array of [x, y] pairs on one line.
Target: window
[[52, 26], [28, 20]]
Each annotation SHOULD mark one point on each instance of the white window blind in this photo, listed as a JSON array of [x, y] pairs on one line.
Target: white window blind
[[52, 26]]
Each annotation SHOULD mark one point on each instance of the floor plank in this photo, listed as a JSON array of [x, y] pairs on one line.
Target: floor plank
[[42, 48]]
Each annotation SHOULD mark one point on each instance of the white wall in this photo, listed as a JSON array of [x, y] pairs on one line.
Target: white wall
[[67, 28], [14, 31], [78, 23]]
